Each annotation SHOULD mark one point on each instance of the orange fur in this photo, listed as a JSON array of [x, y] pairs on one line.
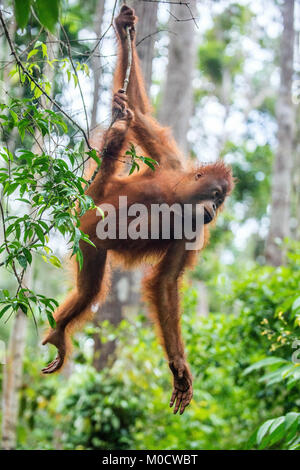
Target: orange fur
[[170, 183]]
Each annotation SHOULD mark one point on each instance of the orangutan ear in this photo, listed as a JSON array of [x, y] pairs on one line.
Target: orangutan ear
[[198, 175]]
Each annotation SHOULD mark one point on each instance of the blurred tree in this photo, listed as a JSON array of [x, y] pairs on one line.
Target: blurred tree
[[221, 57], [123, 294], [281, 184], [146, 29], [296, 164], [296, 173], [12, 376], [177, 98], [96, 61]]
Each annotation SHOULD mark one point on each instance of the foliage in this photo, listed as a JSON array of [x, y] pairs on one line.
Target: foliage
[[50, 188], [150, 162], [47, 12], [251, 170], [243, 377], [44, 176], [284, 430], [215, 53], [245, 354], [97, 412]]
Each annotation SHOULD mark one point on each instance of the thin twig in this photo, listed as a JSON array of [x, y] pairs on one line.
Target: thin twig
[[106, 31], [179, 20], [128, 70], [192, 16], [153, 34], [186, 4], [166, 1], [75, 71]]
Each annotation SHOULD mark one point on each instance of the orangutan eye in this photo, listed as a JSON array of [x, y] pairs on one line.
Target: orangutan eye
[[217, 195]]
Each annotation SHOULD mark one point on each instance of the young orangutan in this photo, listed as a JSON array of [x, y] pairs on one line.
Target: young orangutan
[[170, 183]]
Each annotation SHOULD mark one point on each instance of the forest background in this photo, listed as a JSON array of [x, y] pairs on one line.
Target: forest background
[[225, 76]]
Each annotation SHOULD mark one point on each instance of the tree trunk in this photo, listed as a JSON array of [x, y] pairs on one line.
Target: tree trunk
[[5, 51], [12, 375], [296, 182], [12, 379], [96, 63], [145, 39], [281, 184], [123, 294], [177, 100]]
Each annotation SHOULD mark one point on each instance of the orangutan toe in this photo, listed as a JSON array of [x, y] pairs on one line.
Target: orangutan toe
[[55, 365]]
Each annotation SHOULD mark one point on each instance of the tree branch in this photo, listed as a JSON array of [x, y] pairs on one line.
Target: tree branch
[[114, 117]]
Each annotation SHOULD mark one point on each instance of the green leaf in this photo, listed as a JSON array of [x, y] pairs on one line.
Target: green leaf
[[264, 362], [37, 92], [277, 422], [133, 167], [2, 312], [263, 430], [149, 159], [150, 165], [94, 155], [87, 240], [22, 261], [75, 78], [32, 53], [290, 419], [10, 188], [296, 305], [27, 255], [23, 307], [55, 261], [45, 50], [79, 257], [47, 13], [14, 116], [101, 213], [22, 10], [39, 233], [276, 431], [51, 320]]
